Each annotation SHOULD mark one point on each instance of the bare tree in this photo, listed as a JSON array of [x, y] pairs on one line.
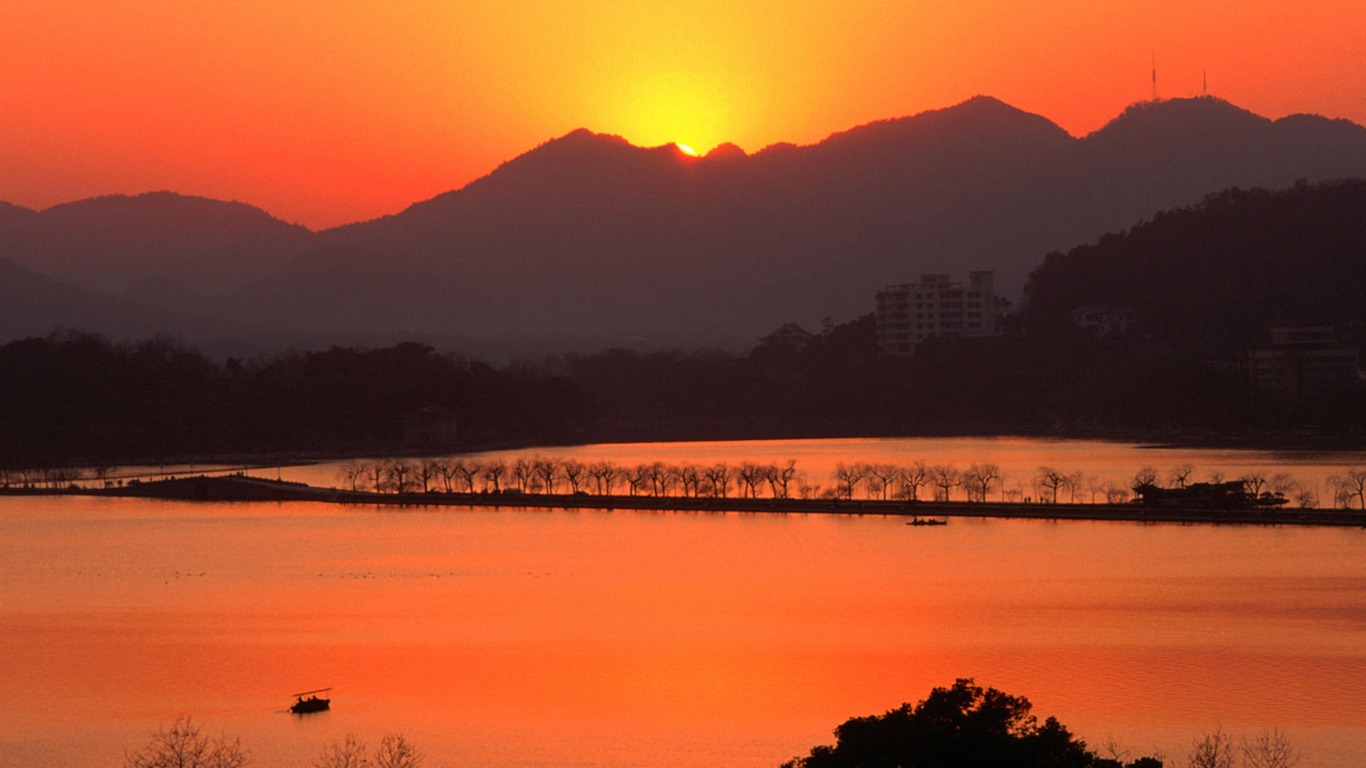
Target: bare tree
[[492, 472], [849, 476], [183, 745], [880, 479], [522, 471], [1253, 482], [911, 479], [351, 474], [660, 477], [1144, 477], [780, 478], [688, 477], [945, 477], [467, 470], [1354, 486], [348, 753], [1115, 493], [374, 471], [424, 472], [604, 473], [1181, 475], [1051, 480], [547, 470], [400, 474], [1213, 750], [637, 477], [977, 481], [445, 468], [1306, 498], [718, 476], [395, 751], [751, 475], [1074, 483], [1270, 749], [574, 472], [1284, 483]]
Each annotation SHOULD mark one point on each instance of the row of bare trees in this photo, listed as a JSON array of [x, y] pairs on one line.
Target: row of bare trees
[[538, 474], [980, 482]]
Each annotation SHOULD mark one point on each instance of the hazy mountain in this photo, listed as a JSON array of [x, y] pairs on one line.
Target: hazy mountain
[[118, 243], [588, 241], [35, 305]]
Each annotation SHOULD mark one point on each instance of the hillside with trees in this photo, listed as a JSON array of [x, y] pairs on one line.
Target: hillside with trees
[[1218, 275]]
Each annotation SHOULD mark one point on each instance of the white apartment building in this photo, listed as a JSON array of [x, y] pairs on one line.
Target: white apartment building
[[908, 314]]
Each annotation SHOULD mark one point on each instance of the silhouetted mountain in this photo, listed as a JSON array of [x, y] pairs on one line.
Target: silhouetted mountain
[[117, 243], [588, 241], [588, 235]]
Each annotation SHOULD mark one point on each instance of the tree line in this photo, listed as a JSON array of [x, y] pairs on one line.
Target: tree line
[[882, 481]]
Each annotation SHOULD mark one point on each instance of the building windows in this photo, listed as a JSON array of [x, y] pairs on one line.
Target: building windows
[[942, 308]]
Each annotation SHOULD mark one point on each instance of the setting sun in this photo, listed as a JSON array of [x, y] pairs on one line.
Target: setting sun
[[685, 149]]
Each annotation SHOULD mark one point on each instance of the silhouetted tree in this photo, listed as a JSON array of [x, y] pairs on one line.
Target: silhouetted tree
[[395, 751], [350, 752], [183, 745], [750, 475], [945, 477], [884, 477], [963, 725], [849, 476], [604, 473], [522, 471], [1213, 750], [574, 472], [492, 471], [977, 481], [718, 477], [780, 478], [1180, 475], [1270, 749], [467, 470], [912, 478], [1051, 480]]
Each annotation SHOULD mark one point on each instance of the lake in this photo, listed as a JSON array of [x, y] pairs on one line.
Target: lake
[[592, 638]]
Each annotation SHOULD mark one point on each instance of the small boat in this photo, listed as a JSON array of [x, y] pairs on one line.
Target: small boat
[[926, 521], [313, 703]]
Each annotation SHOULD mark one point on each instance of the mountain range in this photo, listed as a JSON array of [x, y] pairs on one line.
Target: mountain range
[[588, 242]]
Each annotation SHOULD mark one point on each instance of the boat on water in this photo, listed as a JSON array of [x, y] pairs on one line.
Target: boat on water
[[314, 702], [926, 521]]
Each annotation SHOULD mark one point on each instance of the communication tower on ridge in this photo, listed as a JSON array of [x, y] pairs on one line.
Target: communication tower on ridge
[[1154, 75]]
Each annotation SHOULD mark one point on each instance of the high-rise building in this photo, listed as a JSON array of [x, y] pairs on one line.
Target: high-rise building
[[908, 314]]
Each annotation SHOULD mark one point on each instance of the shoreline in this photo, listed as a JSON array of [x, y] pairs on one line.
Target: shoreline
[[206, 488]]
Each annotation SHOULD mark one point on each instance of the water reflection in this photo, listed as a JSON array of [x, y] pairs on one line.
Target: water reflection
[[524, 638]]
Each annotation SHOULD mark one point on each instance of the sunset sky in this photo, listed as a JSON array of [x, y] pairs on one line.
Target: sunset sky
[[326, 113]]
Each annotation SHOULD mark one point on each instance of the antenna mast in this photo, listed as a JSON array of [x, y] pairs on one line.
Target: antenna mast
[[1154, 75]]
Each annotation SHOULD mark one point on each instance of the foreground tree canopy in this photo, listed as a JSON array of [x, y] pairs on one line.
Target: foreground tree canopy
[[962, 726]]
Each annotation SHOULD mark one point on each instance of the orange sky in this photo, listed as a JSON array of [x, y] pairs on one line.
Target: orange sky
[[325, 113]]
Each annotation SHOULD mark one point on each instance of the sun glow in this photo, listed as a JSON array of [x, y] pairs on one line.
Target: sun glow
[[685, 149]]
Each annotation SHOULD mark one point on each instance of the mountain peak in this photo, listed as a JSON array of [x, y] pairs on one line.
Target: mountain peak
[[1195, 115]]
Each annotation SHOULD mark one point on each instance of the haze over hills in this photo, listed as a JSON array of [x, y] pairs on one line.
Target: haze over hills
[[587, 241]]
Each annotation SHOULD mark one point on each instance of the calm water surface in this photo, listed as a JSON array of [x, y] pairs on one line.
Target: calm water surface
[[592, 638]]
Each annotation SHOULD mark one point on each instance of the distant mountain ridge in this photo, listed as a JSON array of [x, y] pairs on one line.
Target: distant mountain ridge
[[587, 241]]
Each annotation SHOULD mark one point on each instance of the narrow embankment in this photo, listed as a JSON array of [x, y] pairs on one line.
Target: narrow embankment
[[246, 488]]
